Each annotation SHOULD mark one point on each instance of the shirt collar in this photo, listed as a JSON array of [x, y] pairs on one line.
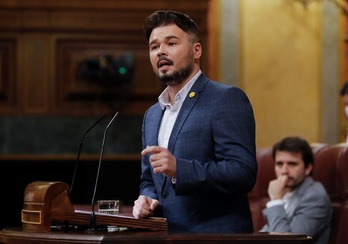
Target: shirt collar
[[163, 98]]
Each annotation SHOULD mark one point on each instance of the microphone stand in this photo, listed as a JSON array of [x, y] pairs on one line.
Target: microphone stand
[[93, 220], [66, 225], [79, 152]]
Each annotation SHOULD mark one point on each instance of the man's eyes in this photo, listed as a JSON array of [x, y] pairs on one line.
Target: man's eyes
[[280, 164]]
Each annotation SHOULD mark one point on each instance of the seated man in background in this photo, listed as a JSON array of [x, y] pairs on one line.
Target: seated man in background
[[298, 204]]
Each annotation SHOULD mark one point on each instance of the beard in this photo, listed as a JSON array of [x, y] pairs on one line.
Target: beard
[[177, 76], [292, 183]]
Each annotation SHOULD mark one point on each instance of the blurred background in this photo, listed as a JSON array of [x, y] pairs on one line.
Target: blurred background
[[65, 63]]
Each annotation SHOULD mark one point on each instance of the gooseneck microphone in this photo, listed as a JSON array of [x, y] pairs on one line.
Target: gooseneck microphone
[[93, 222], [80, 149]]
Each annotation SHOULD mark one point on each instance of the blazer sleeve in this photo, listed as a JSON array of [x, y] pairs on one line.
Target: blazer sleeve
[[147, 185]]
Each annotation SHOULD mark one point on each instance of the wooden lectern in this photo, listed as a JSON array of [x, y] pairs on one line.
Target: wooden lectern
[[48, 202]]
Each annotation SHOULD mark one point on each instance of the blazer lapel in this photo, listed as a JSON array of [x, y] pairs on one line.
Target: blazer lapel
[[187, 106], [153, 127], [297, 196], [152, 140], [292, 206], [189, 102]]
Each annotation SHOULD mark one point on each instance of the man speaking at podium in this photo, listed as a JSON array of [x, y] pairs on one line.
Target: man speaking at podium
[[198, 159]]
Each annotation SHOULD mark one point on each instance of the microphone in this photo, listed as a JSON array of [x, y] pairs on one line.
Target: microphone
[[97, 177], [79, 152]]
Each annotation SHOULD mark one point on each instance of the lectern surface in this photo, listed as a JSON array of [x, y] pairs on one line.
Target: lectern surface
[[17, 236]]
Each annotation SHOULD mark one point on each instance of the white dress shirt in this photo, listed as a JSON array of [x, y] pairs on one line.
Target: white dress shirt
[[284, 201]]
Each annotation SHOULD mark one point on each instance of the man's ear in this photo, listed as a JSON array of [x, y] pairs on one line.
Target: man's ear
[[197, 47], [308, 169]]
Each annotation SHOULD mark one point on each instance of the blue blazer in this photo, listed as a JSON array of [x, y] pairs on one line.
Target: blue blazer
[[213, 140]]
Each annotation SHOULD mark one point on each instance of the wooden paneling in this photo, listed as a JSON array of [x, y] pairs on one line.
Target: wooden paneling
[[78, 92], [34, 73], [43, 43], [8, 92]]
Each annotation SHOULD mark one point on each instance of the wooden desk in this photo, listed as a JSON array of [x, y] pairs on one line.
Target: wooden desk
[[47, 204], [17, 236]]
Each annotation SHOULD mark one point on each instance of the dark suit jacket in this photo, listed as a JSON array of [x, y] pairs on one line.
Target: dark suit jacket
[[213, 140], [309, 212]]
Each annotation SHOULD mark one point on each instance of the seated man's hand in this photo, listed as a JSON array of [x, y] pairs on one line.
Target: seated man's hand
[[277, 188]]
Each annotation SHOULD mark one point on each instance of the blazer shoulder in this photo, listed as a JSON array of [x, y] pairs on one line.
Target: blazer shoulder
[[310, 188], [215, 86]]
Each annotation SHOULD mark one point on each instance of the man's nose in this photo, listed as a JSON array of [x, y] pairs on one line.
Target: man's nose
[[285, 169], [161, 51]]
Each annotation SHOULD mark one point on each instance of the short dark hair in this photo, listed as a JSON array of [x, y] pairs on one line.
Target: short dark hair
[[297, 145], [344, 90], [167, 17]]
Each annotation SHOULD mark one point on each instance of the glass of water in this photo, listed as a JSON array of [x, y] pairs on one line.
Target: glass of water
[[109, 206]]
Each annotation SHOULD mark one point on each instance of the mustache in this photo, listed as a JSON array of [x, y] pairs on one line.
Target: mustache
[[164, 59]]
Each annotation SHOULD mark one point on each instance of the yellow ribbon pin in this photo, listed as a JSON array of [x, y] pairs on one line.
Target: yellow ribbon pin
[[192, 94]]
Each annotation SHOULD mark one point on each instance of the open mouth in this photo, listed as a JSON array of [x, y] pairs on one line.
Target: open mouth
[[163, 62]]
